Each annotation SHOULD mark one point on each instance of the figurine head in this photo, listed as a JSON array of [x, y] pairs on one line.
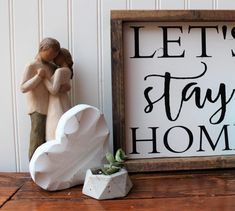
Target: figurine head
[[48, 49], [64, 58]]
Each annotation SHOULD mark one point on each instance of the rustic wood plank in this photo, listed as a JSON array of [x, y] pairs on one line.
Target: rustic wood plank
[[31, 191], [191, 190], [150, 185], [9, 184], [173, 15], [184, 163], [118, 84], [13, 178], [6, 193], [187, 203], [195, 184]]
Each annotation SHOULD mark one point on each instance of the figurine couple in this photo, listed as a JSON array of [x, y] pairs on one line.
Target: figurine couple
[[46, 82]]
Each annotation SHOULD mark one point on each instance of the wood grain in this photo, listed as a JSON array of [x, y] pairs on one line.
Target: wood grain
[[173, 15], [189, 203], [9, 184], [118, 85], [184, 163], [182, 190]]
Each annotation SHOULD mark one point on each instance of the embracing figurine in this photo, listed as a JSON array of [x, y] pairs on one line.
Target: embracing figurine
[[46, 82]]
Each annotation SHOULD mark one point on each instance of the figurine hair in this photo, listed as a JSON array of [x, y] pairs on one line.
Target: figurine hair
[[47, 43], [68, 59]]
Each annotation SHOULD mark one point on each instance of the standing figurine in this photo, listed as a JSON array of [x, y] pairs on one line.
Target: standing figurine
[[37, 94], [58, 85]]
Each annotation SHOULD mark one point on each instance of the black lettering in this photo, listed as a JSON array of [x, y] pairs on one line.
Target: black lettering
[[134, 140], [190, 135], [166, 41], [213, 146], [137, 41], [203, 37]]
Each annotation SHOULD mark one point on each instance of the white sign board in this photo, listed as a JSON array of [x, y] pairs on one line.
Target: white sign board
[[173, 88], [179, 80]]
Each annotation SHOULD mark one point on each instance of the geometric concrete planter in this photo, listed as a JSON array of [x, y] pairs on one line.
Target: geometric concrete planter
[[100, 186]]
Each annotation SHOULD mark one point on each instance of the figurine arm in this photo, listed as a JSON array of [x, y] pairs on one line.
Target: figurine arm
[[54, 84], [48, 85], [28, 82], [65, 87]]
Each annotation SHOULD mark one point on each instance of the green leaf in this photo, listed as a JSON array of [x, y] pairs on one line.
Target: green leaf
[[109, 171], [120, 156], [118, 164], [110, 157]]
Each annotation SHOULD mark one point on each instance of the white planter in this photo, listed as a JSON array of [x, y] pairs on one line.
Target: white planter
[[107, 186]]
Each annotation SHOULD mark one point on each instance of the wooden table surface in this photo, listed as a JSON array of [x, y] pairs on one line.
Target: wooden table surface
[[207, 190]]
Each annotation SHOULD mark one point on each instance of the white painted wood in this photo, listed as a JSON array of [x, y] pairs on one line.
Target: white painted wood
[[7, 149], [157, 4], [106, 7], [84, 28], [143, 4], [226, 4], [55, 20], [85, 52], [172, 4], [25, 39], [70, 45], [215, 4], [201, 4]]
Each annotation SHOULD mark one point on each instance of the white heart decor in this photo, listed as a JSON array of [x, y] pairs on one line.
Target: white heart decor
[[81, 143]]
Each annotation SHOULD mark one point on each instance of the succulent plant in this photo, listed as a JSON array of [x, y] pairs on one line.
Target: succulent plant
[[115, 163]]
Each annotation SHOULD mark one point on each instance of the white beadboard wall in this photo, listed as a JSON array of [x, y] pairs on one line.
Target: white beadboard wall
[[82, 26]]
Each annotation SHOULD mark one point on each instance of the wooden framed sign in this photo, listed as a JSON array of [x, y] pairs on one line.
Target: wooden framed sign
[[173, 81]]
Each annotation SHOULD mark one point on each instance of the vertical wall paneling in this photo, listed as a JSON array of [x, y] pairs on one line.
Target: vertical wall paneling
[[173, 4], [226, 4], [25, 46], [143, 4], [205, 4], [128, 4], [99, 56], [55, 20], [85, 51], [69, 25], [70, 43], [7, 145], [158, 4], [186, 4], [40, 21], [107, 6], [81, 26], [13, 82], [215, 4]]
